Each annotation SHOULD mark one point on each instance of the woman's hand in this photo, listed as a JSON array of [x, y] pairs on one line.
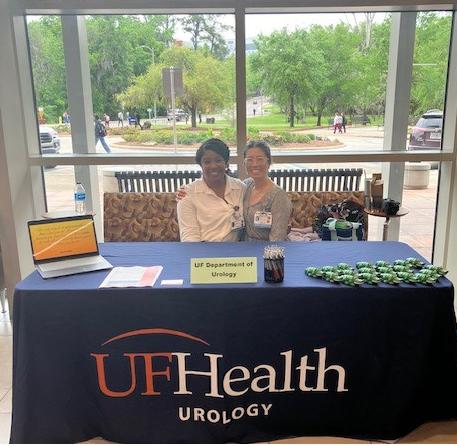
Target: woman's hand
[[180, 193]]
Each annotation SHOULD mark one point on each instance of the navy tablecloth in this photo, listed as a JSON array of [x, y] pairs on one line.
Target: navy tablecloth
[[231, 362]]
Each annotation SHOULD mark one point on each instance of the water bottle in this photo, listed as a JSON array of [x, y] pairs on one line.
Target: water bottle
[[80, 199]]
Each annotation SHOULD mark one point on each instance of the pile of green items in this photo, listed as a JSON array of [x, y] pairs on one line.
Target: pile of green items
[[410, 270]]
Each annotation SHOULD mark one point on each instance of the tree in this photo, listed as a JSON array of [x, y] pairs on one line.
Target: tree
[[364, 29], [111, 60], [431, 56], [371, 65], [206, 82], [337, 86], [194, 24], [207, 30], [161, 28], [214, 37], [253, 77], [47, 58], [290, 66]]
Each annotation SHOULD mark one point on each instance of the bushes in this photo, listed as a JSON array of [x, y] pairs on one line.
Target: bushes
[[227, 135]]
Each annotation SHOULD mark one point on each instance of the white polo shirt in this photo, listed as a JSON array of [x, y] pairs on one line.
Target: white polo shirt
[[205, 217]]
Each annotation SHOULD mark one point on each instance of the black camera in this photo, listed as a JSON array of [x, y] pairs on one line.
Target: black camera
[[390, 207]]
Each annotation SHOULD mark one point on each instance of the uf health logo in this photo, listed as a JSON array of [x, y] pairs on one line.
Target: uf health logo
[[304, 374]]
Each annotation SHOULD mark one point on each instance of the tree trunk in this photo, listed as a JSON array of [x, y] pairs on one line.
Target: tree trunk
[[319, 119], [292, 112]]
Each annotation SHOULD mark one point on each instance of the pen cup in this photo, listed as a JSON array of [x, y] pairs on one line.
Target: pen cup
[[273, 264]]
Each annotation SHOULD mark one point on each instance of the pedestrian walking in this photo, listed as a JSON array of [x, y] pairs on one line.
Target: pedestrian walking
[[344, 122], [337, 123], [106, 119], [253, 111], [200, 118], [138, 120], [100, 133], [120, 119]]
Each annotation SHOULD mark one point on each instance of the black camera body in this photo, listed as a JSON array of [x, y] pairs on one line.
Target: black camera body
[[390, 207]]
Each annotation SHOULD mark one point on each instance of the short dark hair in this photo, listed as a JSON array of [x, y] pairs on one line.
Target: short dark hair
[[216, 145], [262, 145], [96, 117]]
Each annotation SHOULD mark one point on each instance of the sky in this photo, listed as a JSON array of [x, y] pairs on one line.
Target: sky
[[267, 23]]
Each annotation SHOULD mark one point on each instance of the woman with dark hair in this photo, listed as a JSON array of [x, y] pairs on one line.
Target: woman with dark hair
[[267, 207], [212, 208]]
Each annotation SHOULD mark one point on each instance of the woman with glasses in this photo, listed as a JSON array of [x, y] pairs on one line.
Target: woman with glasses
[[211, 210], [267, 207]]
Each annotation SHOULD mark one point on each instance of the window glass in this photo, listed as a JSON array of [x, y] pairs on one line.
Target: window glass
[[314, 83], [305, 70]]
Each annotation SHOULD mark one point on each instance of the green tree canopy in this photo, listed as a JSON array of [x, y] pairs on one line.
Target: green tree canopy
[[291, 67], [205, 79], [336, 89], [431, 54]]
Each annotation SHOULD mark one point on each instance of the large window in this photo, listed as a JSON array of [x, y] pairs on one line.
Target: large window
[[301, 70]]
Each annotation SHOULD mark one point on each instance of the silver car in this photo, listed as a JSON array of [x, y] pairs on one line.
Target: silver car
[[49, 140], [180, 115]]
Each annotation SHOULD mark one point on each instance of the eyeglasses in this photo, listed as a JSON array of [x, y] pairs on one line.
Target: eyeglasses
[[258, 160]]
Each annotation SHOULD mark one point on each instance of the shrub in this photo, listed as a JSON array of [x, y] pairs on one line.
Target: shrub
[[228, 135], [187, 138], [61, 128], [273, 140], [146, 136]]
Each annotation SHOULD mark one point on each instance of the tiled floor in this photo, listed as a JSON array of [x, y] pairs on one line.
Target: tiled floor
[[444, 432]]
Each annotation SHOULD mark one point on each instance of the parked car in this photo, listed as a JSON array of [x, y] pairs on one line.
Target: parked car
[[426, 134], [49, 140], [180, 114]]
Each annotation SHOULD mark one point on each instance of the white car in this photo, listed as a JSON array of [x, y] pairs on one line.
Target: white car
[[180, 114], [49, 140]]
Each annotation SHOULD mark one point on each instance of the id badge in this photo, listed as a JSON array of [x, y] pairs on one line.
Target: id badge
[[262, 219], [237, 220]]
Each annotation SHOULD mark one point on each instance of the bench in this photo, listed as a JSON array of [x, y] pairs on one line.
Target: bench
[[364, 120], [290, 180], [152, 217]]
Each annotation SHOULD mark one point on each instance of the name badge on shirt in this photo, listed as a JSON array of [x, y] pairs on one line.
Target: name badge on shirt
[[262, 219], [236, 220]]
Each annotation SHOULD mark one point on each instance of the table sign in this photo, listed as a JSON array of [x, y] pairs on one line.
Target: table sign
[[223, 270]]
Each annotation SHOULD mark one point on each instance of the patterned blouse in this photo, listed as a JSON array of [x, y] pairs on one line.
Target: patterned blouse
[[275, 201]]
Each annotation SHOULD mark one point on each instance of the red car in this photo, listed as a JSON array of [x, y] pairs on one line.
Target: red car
[[426, 134]]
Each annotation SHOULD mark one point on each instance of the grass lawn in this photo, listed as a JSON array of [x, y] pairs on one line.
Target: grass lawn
[[276, 121]]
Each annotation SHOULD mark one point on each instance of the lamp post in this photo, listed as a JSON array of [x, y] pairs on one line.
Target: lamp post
[[153, 64]]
